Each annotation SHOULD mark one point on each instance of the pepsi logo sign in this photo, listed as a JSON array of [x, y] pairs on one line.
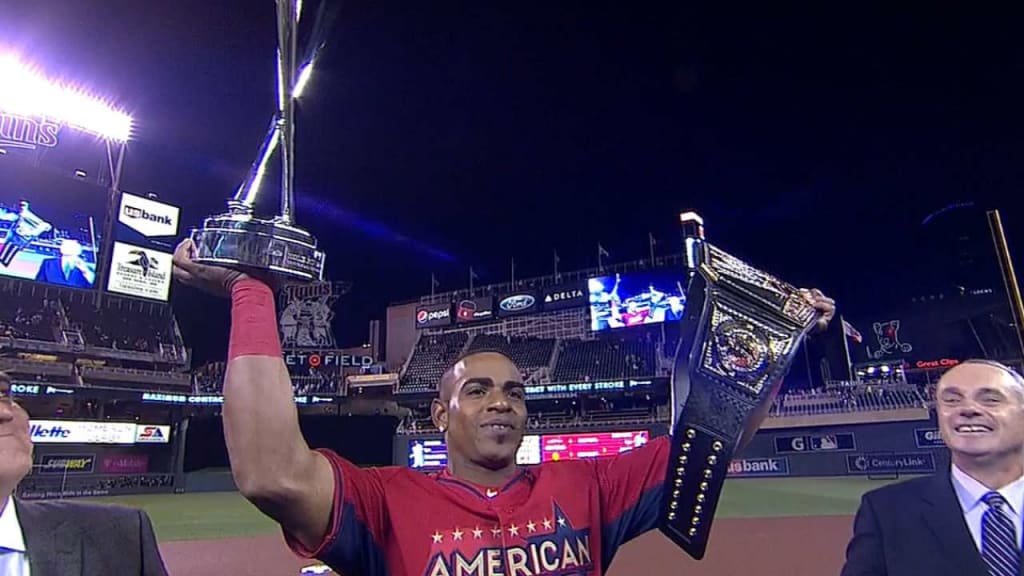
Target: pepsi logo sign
[[517, 303], [426, 316]]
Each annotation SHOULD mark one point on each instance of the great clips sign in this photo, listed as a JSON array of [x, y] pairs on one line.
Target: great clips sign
[[434, 315]]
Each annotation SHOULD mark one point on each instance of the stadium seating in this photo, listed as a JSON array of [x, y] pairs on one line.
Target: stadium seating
[[35, 487], [209, 379], [605, 359], [529, 354], [26, 371], [432, 356], [116, 377], [846, 400], [28, 316], [142, 329]]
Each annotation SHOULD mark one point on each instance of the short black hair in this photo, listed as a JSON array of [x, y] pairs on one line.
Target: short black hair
[[469, 353], [465, 355]]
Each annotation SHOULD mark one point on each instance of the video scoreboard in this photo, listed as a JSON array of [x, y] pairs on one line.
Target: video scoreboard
[[432, 454]]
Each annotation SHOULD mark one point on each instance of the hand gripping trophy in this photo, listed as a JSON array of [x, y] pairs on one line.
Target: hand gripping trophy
[[740, 333], [240, 239]]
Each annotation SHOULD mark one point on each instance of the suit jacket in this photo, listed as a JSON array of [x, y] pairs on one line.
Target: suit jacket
[[50, 271], [913, 528], [65, 538]]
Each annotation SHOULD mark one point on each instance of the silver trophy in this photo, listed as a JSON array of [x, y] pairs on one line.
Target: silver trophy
[[240, 239]]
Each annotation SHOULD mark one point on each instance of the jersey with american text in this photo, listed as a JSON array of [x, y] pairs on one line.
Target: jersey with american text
[[566, 517]]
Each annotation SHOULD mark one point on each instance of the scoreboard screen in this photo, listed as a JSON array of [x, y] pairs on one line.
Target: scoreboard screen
[[431, 454], [590, 445]]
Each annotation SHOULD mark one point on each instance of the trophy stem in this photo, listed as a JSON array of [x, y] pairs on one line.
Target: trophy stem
[[287, 20], [245, 196]]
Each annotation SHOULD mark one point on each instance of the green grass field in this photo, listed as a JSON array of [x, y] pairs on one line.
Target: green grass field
[[208, 515]]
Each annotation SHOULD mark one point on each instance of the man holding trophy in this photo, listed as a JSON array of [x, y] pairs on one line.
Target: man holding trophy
[[740, 333]]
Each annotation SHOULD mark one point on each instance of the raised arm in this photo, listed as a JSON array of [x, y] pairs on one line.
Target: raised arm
[[271, 463]]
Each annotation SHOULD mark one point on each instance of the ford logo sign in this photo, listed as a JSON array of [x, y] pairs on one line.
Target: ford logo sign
[[517, 303]]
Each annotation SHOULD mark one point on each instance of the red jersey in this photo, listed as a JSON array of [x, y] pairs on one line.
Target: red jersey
[[566, 517]]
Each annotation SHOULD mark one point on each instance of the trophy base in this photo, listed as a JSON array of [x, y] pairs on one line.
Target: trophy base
[[242, 241]]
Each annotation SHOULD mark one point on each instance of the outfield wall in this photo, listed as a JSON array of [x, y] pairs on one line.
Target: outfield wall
[[882, 449], [877, 449], [74, 470]]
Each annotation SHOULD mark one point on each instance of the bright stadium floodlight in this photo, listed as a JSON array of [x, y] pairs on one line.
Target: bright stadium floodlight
[[27, 92]]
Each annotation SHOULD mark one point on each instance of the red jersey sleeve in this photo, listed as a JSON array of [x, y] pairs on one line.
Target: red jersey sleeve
[[359, 521], [631, 486]]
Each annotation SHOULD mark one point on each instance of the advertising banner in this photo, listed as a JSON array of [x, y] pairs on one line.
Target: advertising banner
[[152, 434], [841, 442], [755, 467], [66, 464], [574, 388], [80, 432], [124, 464], [928, 438], [474, 309], [565, 296], [20, 389], [140, 272], [434, 315], [516, 303], [891, 462], [147, 222]]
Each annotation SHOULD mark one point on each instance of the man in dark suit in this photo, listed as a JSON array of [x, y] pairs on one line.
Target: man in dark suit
[[68, 269], [63, 538], [965, 521]]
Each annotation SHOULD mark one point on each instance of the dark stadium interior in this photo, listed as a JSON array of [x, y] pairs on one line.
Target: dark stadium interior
[[478, 178]]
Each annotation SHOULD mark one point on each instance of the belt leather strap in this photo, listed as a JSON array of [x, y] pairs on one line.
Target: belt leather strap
[[740, 334]]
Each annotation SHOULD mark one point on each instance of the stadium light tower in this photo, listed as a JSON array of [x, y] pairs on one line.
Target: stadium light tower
[[38, 107], [26, 92]]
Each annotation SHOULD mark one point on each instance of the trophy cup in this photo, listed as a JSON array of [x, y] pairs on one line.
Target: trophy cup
[[740, 333], [238, 238]]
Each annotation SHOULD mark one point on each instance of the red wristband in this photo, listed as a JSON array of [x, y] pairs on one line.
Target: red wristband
[[253, 321]]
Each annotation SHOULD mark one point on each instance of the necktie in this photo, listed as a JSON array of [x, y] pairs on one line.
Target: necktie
[[999, 547]]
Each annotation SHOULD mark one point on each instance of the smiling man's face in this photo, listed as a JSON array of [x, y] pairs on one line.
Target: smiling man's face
[[981, 413], [483, 410]]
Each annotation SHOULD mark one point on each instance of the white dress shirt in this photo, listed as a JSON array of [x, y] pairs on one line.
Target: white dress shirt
[[970, 492], [13, 559]]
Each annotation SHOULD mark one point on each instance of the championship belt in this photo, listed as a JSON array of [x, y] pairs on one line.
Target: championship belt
[[740, 333]]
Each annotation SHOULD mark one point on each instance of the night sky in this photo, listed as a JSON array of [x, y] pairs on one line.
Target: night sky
[[438, 136]]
